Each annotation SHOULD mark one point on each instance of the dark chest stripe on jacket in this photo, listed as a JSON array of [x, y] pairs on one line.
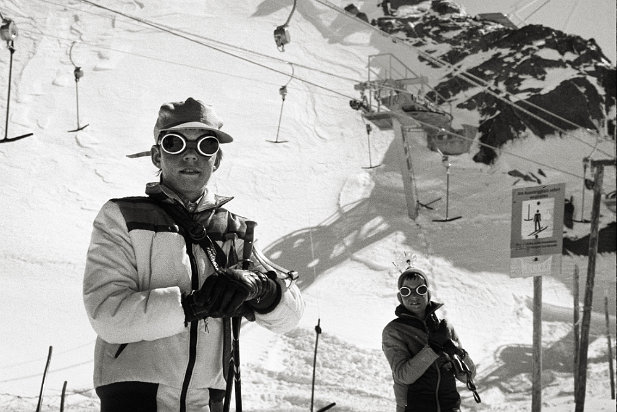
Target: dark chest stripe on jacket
[[143, 213]]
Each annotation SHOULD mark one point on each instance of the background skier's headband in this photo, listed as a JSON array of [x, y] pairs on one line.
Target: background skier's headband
[[411, 273]]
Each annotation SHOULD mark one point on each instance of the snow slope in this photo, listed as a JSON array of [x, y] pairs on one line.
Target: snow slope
[[319, 210]]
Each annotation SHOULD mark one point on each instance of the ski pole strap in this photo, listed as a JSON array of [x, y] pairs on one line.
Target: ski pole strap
[[196, 231], [289, 276]]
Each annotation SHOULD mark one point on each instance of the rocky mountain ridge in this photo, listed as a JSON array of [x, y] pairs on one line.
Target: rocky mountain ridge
[[533, 65]]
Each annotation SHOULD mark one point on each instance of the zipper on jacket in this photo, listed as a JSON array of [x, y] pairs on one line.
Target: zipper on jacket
[[193, 329]]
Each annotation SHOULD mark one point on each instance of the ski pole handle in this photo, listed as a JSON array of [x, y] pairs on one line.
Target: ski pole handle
[[249, 238]]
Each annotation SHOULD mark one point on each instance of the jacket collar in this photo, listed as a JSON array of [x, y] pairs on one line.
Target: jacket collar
[[402, 312], [209, 200]]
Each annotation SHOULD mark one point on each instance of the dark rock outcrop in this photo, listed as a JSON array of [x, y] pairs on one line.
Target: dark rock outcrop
[[518, 65]]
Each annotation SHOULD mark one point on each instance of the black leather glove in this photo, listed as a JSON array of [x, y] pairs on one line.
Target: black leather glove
[[224, 295], [264, 293], [196, 305], [439, 337], [220, 296]]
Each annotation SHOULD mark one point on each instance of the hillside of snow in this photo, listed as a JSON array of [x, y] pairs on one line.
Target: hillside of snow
[[319, 209]]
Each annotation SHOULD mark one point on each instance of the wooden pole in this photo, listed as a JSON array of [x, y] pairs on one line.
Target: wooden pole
[[536, 390], [610, 349], [576, 325], [587, 305]]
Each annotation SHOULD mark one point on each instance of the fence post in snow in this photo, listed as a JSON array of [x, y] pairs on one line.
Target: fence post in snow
[[576, 324]]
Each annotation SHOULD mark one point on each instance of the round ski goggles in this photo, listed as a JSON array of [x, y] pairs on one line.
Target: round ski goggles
[[419, 290], [175, 143]]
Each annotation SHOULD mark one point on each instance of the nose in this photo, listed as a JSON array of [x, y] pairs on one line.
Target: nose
[[190, 153]]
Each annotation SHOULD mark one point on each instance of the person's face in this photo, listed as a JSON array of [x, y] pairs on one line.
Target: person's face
[[415, 303], [187, 173]]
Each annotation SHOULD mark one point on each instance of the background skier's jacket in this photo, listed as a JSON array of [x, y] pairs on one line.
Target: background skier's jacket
[[136, 272], [419, 381]]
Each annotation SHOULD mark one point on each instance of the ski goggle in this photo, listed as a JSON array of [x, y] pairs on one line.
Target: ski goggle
[[175, 143], [406, 291]]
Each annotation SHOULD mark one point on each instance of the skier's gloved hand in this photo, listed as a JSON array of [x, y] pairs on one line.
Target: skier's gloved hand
[[228, 291], [217, 298], [439, 336], [196, 305], [452, 349]]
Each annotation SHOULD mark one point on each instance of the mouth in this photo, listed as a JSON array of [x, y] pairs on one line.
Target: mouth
[[189, 172]]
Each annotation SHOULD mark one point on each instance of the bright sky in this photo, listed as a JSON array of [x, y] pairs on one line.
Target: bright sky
[[589, 19]]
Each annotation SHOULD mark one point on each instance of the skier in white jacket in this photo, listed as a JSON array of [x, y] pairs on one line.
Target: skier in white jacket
[[159, 300]]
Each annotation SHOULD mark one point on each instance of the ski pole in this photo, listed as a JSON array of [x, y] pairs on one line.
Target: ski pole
[[236, 322], [317, 332], [38, 406]]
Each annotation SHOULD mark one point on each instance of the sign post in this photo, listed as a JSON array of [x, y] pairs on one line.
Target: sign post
[[536, 240]]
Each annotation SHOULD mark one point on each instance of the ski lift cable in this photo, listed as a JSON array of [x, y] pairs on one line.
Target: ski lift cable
[[477, 81], [536, 10], [155, 25], [574, 7], [474, 80], [177, 63], [221, 43], [497, 149], [335, 92], [514, 10], [451, 133], [174, 62], [137, 21], [304, 80]]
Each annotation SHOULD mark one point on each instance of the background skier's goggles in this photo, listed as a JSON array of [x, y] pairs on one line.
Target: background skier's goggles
[[406, 291], [175, 143]]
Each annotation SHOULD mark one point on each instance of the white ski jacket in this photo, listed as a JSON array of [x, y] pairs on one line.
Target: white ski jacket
[[138, 267]]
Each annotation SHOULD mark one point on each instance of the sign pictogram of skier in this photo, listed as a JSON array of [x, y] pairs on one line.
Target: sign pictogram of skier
[[537, 223], [540, 224]]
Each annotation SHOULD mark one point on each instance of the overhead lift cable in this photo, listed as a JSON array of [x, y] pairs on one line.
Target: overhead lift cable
[[209, 39], [470, 78], [222, 43], [323, 87], [177, 34]]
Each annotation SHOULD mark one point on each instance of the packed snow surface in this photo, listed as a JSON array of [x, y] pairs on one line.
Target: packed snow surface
[[320, 208]]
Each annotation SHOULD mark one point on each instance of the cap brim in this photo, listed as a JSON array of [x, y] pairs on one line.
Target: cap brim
[[222, 136]]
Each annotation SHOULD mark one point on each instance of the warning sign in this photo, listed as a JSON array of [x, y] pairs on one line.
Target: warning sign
[[537, 230]]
